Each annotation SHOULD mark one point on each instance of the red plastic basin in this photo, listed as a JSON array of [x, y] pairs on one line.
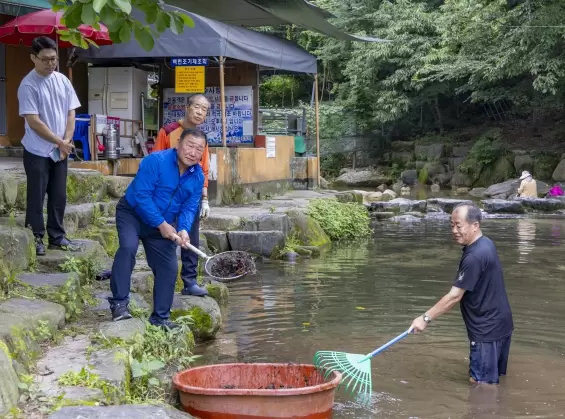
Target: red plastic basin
[[253, 391]]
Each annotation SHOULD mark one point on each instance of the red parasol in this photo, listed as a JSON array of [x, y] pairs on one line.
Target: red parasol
[[23, 29]]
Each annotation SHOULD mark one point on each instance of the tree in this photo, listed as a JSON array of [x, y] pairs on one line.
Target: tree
[[117, 16]]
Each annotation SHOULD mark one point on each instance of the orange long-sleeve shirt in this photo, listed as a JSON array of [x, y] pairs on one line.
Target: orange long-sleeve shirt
[[168, 137]]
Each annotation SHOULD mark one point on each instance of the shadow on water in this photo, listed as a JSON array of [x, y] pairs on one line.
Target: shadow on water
[[357, 297]]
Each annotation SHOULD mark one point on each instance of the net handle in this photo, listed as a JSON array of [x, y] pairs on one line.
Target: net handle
[[197, 251]]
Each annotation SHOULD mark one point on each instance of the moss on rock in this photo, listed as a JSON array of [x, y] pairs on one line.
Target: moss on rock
[[219, 292], [85, 186], [544, 165], [205, 313], [106, 236], [306, 230]]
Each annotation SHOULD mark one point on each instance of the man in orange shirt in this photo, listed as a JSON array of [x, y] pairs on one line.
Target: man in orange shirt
[[168, 137]]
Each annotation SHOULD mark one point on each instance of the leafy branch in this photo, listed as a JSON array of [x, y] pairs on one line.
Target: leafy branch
[[117, 16]]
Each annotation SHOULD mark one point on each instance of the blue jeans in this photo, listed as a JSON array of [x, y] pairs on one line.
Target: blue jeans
[[489, 360], [161, 258], [189, 259]]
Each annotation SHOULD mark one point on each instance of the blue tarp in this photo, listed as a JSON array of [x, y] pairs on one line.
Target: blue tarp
[[212, 38]]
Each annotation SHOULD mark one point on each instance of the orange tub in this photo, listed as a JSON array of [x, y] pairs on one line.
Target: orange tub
[[257, 391]]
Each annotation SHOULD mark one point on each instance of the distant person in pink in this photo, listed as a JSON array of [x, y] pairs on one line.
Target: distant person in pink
[[555, 191]]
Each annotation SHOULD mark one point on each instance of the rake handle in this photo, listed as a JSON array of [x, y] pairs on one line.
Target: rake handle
[[386, 345]]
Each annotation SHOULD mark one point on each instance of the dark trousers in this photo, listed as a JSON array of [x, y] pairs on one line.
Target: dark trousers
[[189, 270], [44, 176], [161, 258]]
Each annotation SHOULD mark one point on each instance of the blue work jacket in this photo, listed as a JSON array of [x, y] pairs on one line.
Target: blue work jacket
[[159, 193]]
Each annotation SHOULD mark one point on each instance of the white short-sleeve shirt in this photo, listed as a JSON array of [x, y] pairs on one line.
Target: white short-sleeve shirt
[[51, 98]]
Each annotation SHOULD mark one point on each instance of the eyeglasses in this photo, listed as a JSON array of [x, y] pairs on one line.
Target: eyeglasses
[[48, 60]]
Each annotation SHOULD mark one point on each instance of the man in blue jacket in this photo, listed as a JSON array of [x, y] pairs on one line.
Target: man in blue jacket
[[158, 208]]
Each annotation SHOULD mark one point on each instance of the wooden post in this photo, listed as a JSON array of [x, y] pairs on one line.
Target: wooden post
[[317, 113], [223, 102]]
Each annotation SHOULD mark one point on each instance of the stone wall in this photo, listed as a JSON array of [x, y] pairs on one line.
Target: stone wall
[[469, 164]]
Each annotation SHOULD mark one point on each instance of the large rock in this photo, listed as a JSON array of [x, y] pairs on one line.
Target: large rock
[[507, 189], [502, 190], [217, 240], [372, 197], [126, 411], [447, 204], [409, 177], [264, 243], [8, 192], [501, 170], [117, 185], [19, 321], [267, 222], [400, 205], [443, 179], [19, 318], [85, 185], [306, 230], [502, 206], [461, 179], [559, 172], [361, 178], [221, 222], [219, 292], [17, 250], [455, 162], [544, 166], [434, 169], [402, 146], [478, 192], [460, 151], [430, 152], [9, 392], [90, 254], [402, 158], [205, 313], [523, 162], [542, 204]]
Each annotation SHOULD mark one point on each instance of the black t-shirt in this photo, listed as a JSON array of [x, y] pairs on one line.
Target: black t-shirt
[[484, 306]]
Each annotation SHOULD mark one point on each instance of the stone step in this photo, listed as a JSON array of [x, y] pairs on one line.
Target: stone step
[[83, 186], [264, 243], [123, 412], [90, 253], [72, 356], [62, 288], [77, 217], [24, 324], [104, 306]]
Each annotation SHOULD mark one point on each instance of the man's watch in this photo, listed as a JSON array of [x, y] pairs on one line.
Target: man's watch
[[427, 318]]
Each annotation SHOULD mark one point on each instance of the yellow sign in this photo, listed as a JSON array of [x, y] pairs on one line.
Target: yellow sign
[[190, 79]]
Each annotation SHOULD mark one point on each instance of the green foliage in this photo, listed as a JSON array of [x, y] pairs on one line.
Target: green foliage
[[484, 154], [86, 378], [423, 176], [87, 268], [340, 220], [116, 15], [280, 91]]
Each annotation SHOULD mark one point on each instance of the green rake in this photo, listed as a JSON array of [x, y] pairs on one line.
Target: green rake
[[355, 368]]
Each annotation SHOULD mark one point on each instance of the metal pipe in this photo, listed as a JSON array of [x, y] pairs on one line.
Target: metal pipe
[[317, 113], [223, 101]]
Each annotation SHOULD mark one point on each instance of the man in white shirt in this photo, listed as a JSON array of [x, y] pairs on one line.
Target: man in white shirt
[[47, 101]]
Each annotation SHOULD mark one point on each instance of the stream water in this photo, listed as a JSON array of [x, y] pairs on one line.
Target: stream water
[[357, 297]]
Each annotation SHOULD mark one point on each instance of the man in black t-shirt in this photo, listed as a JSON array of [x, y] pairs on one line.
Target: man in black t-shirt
[[479, 287]]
